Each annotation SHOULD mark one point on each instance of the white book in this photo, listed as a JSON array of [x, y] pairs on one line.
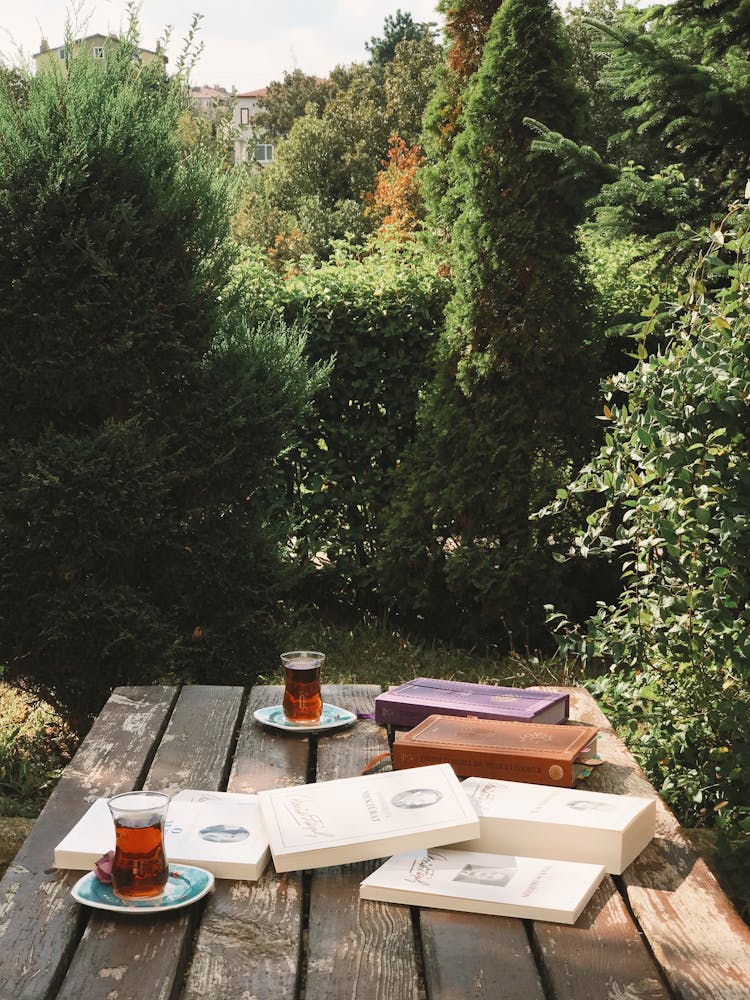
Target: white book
[[219, 831], [564, 824], [474, 882], [370, 816]]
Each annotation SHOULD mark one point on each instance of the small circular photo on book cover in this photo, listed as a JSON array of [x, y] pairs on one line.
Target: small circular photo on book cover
[[416, 798]]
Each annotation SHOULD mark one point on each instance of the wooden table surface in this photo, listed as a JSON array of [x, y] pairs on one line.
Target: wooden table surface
[[660, 931]]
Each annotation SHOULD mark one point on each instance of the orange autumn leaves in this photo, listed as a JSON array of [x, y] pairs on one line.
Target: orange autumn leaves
[[395, 202]]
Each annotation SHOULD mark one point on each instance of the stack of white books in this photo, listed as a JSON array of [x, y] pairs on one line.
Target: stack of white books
[[481, 846]]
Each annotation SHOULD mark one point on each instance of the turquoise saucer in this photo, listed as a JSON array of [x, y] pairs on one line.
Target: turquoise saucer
[[185, 885], [330, 718]]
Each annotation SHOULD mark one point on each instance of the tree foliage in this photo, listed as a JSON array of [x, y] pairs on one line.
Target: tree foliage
[[323, 171], [141, 521], [466, 24], [507, 409], [397, 28], [590, 59], [409, 83], [678, 75], [378, 314], [396, 201], [287, 100]]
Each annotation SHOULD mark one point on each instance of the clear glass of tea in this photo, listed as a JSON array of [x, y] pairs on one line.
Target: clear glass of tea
[[140, 869], [303, 703]]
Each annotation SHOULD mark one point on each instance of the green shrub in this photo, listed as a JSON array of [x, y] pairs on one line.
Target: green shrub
[[377, 315], [672, 485], [141, 518]]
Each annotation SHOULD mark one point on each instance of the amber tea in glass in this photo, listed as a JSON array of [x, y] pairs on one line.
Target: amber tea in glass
[[303, 703], [139, 869]]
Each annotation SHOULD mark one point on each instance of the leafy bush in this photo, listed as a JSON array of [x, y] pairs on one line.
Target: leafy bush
[[377, 315], [673, 486], [627, 272], [141, 518]]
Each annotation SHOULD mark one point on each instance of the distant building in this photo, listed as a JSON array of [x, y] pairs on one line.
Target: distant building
[[213, 102], [246, 144], [96, 45]]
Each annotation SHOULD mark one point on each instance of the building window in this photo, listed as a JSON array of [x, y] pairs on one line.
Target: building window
[[61, 54], [98, 52], [244, 116], [264, 152]]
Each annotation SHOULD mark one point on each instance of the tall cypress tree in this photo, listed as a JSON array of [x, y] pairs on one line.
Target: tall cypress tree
[[466, 24], [510, 406]]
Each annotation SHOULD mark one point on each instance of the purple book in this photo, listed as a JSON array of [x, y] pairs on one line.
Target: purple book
[[408, 704]]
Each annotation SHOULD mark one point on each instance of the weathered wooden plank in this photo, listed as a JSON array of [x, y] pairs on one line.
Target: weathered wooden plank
[[602, 957], [701, 944], [266, 757], [356, 949], [343, 753], [696, 936], [122, 957], [250, 938], [476, 957], [40, 923]]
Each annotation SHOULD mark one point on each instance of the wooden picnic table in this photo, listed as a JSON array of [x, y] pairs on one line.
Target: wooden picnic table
[[661, 930]]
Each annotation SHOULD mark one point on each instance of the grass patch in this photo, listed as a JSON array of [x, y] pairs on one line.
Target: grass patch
[[363, 649], [35, 746]]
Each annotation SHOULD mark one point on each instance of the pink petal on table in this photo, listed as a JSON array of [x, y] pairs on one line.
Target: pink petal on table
[[103, 867]]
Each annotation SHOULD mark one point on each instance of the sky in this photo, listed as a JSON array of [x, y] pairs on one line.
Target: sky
[[247, 43]]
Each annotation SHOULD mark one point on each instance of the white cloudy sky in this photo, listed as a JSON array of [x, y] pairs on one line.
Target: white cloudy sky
[[247, 43]]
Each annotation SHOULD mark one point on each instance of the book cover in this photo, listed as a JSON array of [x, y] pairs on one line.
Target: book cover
[[219, 831], [475, 882], [410, 703], [369, 816], [533, 752], [560, 823]]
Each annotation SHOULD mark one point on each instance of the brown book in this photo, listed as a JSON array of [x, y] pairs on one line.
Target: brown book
[[515, 751]]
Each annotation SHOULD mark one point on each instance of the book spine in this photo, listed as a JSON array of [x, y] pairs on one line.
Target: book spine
[[408, 714], [508, 767], [394, 714], [553, 714]]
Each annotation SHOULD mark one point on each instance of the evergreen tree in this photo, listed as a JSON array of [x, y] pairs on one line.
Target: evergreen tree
[[509, 408], [680, 76], [466, 23], [139, 420], [590, 61], [397, 28]]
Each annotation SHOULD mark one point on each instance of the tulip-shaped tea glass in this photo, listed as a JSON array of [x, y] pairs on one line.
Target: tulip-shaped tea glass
[[302, 703], [140, 869]]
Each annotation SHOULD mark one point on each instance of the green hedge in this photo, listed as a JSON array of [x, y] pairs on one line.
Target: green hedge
[[377, 316]]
